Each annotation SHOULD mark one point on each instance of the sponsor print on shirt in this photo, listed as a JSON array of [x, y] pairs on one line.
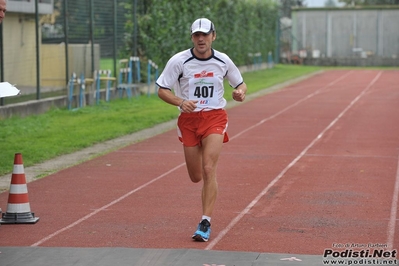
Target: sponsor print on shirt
[[202, 89]]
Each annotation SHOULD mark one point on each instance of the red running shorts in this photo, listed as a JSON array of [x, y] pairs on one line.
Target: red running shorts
[[192, 128]]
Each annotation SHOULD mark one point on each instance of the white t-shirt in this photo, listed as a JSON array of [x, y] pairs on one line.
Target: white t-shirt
[[198, 79]]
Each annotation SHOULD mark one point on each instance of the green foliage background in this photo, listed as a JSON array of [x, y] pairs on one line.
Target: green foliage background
[[242, 27]]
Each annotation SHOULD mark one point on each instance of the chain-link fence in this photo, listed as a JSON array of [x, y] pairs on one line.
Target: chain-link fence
[[72, 37], [45, 42]]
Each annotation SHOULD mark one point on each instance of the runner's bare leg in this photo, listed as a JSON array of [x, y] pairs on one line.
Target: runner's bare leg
[[201, 165]]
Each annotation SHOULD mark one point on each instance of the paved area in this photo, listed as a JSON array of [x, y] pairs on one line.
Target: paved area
[[152, 257], [46, 256]]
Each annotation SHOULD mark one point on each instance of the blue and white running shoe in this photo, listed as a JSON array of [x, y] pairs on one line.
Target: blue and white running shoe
[[203, 231]]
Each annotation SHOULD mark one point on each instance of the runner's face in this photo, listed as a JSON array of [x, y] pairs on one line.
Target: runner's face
[[203, 44], [2, 9]]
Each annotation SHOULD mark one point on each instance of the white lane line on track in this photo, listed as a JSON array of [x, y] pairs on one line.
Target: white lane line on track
[[216, 240], [105, 206], [291, 106], [394, 209], [38, 243]]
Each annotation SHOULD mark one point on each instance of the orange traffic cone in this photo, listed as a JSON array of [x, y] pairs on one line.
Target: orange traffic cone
[[18, 208]]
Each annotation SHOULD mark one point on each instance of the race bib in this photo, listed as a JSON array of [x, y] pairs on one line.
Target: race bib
[[204, 90]]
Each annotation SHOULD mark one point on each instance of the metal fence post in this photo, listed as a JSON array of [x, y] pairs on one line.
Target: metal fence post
[[278, 29], [92, 34], [66, 41], [37, 50]]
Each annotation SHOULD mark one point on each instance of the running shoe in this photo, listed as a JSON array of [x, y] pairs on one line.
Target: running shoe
[[203, 231]]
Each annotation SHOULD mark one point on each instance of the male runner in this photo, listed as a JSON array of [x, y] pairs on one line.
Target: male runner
[[196, 76]]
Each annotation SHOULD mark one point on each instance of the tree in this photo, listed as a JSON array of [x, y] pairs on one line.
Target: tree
[[287, 4], [329, 3]]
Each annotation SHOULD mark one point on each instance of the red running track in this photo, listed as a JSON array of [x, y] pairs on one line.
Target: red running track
[[307, 167]]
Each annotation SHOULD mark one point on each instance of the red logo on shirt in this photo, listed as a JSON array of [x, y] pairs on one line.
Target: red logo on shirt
[[204, 74]]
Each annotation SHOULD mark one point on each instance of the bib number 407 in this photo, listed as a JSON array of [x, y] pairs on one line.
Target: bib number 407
[[203, 91]]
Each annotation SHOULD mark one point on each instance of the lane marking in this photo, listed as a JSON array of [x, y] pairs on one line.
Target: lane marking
[[38, 243], [292, 259], [105, 206], [216, 240], [291, 106], [394, 209]]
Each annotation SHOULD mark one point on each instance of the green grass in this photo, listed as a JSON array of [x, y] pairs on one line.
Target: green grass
[[108, 64], [259, 80], [60, 131]]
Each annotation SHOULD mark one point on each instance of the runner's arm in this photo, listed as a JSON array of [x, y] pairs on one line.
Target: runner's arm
[[167, 96], [239, 92], [185, 105]]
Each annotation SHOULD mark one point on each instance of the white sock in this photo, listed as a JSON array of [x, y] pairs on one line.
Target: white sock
[[206, 218]]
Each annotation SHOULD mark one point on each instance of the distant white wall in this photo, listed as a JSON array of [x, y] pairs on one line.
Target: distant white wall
[[347, 32]]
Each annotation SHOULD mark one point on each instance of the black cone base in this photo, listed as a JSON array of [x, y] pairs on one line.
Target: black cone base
[[19, 218]]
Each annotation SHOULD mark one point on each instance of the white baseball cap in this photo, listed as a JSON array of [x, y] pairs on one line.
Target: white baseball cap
[[202, 25]]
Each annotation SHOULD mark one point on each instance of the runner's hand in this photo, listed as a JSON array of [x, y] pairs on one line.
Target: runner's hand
[[238, 95], [188, 106]]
